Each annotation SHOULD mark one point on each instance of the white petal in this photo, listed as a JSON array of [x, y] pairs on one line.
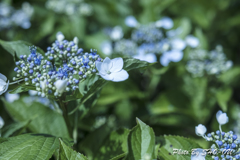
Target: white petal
[[6, 87], [119, 76], [60, 36], [106, 64], [75, 40], [107, 77], [131, 21], [192, 41], [61, 85], [175, 55], [222, 118], [178, 44], [4, 78], [11, 97], [218, 114], [117, 64], [99, 68], [2, 82], [106, 47], [1, 122], [200, 130], [164, 60], [198, 154], [150, 57]]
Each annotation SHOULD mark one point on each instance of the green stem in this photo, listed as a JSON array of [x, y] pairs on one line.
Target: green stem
[[66, 119]]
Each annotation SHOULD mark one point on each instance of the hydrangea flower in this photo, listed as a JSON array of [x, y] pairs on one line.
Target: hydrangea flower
[[60, 70], [211, 63], [70, 7], [10, 17], [3, 84], [224, 142], [111, 70], [149, 40]]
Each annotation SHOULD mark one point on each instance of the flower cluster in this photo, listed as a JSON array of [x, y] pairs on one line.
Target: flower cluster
[[60, 70], [225, 142], [10, 17], [69, 7], [211, 63], [148, 41]]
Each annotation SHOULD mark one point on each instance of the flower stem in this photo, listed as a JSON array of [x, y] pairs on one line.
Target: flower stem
[[65, 116], [16, 82]]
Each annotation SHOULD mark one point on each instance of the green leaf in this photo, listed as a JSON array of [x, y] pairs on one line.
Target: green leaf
[[43, 119], [131, 63], [66, 153], [141, 142], [168, 143], [22, 88], [10, 129], [76, 95], [18, 47], [86, 84], [223, 96], [28, 146]]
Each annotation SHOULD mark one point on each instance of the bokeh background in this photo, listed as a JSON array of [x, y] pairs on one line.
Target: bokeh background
[[169, 99]]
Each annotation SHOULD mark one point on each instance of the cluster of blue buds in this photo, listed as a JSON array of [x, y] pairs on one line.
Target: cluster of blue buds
[[60, 70], [9, 17], [70, 7], [149, 40], [227, 144], [211, 63]]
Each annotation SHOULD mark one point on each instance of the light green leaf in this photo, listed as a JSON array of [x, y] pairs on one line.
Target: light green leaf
[[28, 147], [18, 47], [223, 96], [131, 63], [141, 142], [66, 153], [43, 119], [86, 84], [19, 88], [168, 143], [10, 129]]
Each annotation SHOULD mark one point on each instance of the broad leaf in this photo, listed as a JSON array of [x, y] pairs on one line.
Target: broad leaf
[[66, 153], [168, 143], [43, 119], [29, 146], [141, 142], [131, 63], [223, 96], [10, 129], [17, 48], [19, 88], [86, 84]]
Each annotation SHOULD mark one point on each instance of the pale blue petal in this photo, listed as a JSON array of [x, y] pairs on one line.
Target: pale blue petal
[[164, 59], [131, 21], [106, 65], [175, 55], [117, 64], [178, 44], [120, 76], [192, 41], [106, 47]]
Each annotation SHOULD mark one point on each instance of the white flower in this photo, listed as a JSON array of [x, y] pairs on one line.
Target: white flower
[[61, 85], [3, 84], [192, 41], [149, 57], [198, 154], [171, 56], [165, 23], [111, 70], [106, 47], [178, 44], [200, 130], [131, 21], [60, 36], [75, 40], [1, 122], [116, 33], [222, 118], [11, 97]]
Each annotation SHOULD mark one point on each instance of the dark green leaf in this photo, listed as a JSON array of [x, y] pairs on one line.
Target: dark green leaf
[[131, 63]]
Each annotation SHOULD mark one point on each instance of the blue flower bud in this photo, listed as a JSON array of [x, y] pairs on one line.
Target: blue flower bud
[[80, 50], [216, 158], [52, 51], [21, 56], [68, 49], [223, 133], [233, 145], [16, 69], [31, 71], [76, 81], [50, 58], [217, 132], [49, 48], [237, 156], [234, 137], [220, 143]]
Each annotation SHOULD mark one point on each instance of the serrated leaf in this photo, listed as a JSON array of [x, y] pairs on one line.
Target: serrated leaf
[[43, 119], [86, 84], [131, 63], [141, 142], [66, 153], [168, 143], [28, 146], [18, 47]]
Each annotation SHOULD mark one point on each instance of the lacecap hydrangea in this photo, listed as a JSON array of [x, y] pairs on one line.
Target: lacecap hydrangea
[[60, 70]]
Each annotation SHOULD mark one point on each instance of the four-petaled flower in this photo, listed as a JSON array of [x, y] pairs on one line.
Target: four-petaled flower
[[111, 70], [3, 84], [200, 130]]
